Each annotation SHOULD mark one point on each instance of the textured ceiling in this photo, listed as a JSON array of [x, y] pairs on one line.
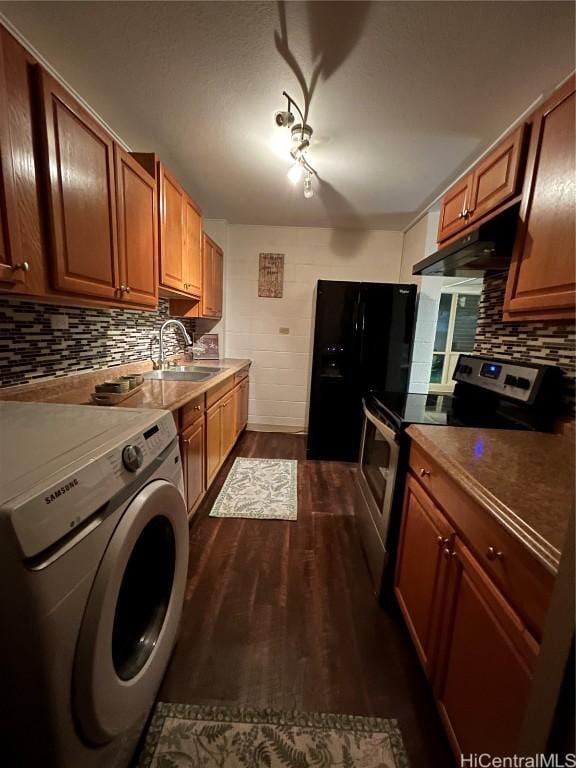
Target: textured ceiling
[[403, 95]]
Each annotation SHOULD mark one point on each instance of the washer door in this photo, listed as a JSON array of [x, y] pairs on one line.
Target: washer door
[[132, 614]]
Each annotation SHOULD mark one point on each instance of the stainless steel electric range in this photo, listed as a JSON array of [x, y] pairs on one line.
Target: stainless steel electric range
[[489, 392]]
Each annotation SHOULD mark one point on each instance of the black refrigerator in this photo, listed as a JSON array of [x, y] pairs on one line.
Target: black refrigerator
[[363, 336]]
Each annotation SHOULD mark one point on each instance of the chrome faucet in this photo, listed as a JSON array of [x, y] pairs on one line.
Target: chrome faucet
[[161, 362]]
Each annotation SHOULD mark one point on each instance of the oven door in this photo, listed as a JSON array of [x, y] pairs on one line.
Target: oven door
[[378, 468]]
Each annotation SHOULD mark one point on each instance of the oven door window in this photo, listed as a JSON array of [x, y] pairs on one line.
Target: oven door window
[[377, 461]]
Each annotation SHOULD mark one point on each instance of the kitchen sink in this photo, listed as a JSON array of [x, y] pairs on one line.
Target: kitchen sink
[[196, 368], [183, 373]]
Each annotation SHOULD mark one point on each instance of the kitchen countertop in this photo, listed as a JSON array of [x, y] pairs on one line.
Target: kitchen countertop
[[524, 479], [165, 395]]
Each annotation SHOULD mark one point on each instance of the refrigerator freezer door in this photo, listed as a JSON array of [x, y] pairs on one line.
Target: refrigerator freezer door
[[335, 405]]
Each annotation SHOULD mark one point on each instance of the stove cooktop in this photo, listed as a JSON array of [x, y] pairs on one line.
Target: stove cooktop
[[488, 392], [400, 409]]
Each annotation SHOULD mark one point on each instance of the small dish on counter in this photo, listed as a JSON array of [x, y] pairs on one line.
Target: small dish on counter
[[116, 390]]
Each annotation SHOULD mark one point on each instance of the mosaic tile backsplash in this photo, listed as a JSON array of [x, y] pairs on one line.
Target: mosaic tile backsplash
[[34, 345], [551, 343]]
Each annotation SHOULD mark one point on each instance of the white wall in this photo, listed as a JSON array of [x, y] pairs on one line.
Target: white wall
[[419, 242], [280, 373]]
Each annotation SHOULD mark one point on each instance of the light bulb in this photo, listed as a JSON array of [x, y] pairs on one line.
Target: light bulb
[[295, 173], [308, 191]]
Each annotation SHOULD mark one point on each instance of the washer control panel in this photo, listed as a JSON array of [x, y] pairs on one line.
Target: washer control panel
[[132, 458], [505, 377], [48, 513]]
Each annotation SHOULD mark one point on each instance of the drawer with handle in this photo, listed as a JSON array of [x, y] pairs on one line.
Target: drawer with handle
[[240, 376], [192, 411], [217, 392]]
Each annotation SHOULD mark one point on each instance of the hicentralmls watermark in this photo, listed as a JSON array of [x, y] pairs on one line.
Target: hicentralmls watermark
[[485, 760]]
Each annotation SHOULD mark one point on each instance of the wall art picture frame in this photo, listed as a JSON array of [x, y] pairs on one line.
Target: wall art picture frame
[[211, 347], [271, 275]]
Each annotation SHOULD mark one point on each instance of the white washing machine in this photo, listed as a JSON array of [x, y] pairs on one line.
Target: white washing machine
[[93, 562]]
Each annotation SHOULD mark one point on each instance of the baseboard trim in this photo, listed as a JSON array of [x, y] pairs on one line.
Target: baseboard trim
[[276, 428]]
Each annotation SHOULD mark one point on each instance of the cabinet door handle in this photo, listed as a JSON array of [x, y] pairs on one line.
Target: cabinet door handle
[[424, 472], [461, 215], [442, 542], [197, 408], [493, 554], [449, 552], [24, 266], [124, 289]]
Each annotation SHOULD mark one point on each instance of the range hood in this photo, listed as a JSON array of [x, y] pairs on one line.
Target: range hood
[[488, 248]]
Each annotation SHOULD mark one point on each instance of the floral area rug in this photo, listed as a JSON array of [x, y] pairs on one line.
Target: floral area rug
[[265, 489], [185, 736]]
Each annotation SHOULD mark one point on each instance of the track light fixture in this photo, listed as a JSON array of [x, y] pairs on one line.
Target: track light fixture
[[301, 134]]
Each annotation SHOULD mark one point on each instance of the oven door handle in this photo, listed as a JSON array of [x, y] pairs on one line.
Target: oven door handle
[[384, 429]]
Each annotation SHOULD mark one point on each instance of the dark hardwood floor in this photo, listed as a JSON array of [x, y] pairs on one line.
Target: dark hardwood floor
[[282, 614]]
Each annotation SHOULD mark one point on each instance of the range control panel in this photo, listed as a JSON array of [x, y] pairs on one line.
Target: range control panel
[[505, 377]]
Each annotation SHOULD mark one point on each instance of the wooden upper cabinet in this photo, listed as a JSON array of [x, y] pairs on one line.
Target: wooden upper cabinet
[[218, 280], [497, 178], [208, 294], [9, 271], [541, 281], [212, 279], [494, 181], [172, 228], [22, 265], [180, 237], [192, 248], [452, 213], [424, 537], [79, 172], [486, 664], [137, 231]]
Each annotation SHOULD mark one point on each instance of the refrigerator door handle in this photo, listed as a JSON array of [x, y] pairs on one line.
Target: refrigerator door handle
[[363, 316], [355, 314]]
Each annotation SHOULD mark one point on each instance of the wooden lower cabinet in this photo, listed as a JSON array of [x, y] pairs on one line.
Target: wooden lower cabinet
[[485, 665], [221, 425], [193, 450], [213, 443], [228, 432], [474, 647], [241, 405], [220, 433], [209, 426], [424, 540]]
